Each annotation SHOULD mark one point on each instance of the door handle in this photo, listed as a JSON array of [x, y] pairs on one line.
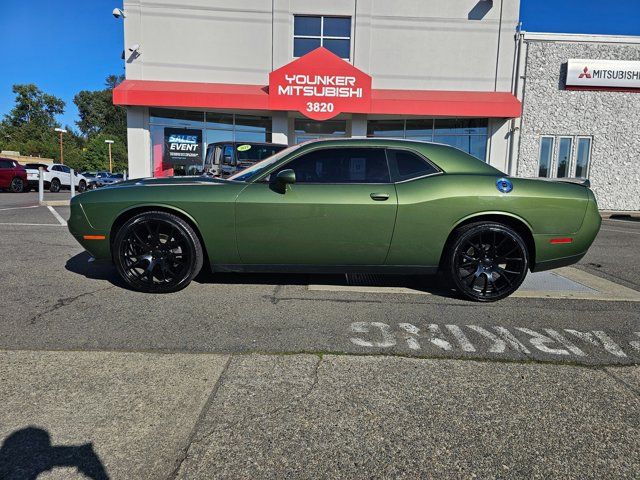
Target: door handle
[[380, 197]]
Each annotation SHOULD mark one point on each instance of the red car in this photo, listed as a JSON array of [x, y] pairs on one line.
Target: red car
[[13, 176]]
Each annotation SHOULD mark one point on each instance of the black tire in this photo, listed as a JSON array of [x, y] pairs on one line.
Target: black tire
[[17, 185], [486, 261], [82, 186], [54, 187], [157, 252]]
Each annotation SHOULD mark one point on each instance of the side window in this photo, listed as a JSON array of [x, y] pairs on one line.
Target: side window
[[544, 158], [405, 165], [227, 155], [55, 168], [5, 164], [341, 165], [564, 157], [583, 156], [66, 169]]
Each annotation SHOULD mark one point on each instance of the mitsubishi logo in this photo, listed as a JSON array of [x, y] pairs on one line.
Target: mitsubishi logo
[[585, 73]]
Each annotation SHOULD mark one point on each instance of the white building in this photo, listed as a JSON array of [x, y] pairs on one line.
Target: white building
[[455, 72], [439, 71]]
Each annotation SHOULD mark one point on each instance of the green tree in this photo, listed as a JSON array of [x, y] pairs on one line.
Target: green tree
[[33, 106], [96, 153], [97, 112], [28, 127]]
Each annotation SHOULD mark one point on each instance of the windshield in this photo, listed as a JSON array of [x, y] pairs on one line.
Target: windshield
[[247, 173], [255, 153]]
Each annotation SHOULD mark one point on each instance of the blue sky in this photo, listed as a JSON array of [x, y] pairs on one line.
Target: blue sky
[[65, 46], [615, 17], [62, 46]]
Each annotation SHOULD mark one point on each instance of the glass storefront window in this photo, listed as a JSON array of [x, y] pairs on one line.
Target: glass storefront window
[[175, 117], [461, 126], [385, 128], [221, 121], [209, 127], [467, 134], [422, 128]]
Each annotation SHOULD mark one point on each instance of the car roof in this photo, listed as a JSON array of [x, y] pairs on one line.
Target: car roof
[[234, 142], [449, 159]]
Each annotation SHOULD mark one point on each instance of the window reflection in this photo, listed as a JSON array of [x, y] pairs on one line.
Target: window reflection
[[467, 134], [215, 127], [564, 156], [546, 149]]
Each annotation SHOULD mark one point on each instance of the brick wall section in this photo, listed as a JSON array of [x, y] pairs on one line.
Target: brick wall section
[[611, 118]]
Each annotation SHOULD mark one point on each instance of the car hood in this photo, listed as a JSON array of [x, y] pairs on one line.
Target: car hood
[[194, 180]]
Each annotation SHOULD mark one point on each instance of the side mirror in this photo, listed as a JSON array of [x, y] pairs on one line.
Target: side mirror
[[286, 176]]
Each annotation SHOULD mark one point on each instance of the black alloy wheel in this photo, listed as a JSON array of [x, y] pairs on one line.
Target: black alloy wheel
[[17, 185], [487, 261], [55, 186], [82, 186], [157, 252]]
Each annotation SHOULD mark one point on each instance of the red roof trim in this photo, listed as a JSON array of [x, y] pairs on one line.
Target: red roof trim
[[255, 97]]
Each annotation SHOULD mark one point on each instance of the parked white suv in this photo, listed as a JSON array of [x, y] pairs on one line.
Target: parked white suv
[[58, 176]]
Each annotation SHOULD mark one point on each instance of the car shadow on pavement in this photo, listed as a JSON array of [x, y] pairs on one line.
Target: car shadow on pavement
[[81, 265], [26, 453], [432, 284]]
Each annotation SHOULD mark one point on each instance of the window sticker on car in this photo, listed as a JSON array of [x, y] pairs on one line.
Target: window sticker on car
[[243, 148]]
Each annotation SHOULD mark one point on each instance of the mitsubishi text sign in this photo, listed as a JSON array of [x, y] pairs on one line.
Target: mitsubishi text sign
[[320, 85], [586, 73]]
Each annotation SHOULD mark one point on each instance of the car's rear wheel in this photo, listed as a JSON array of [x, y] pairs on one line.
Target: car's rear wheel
[[54, 187], [487, 261], [82, 186], [157, 252], [17, 185]]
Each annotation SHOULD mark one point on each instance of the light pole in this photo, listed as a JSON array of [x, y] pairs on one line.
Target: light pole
[[109, 142], [61, 131]]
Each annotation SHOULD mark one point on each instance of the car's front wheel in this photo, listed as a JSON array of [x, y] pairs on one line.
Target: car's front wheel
[[82, 186], [157, 252], [486, 261]]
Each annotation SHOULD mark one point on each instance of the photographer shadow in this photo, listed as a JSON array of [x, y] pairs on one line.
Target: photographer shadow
[[28, 452]]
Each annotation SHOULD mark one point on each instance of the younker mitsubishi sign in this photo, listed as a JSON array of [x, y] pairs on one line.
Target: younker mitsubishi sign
[[584, 73], [320, 85]]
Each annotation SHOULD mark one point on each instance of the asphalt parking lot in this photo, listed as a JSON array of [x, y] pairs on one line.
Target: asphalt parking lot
[[298, 375]]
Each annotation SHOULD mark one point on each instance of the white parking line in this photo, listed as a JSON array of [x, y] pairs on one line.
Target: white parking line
[[34, 224], [18, 208], [57, 215]]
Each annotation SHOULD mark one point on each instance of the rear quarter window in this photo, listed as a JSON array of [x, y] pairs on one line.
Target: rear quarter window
[[405, 165]]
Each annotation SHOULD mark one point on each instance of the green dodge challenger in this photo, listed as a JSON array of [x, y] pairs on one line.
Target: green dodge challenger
[[348, 205]]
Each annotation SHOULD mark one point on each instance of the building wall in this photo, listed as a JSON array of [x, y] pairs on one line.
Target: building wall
[[611, 118], [403, 44]]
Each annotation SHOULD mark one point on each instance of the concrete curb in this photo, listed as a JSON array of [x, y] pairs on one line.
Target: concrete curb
[[55, 203], [618, 213]]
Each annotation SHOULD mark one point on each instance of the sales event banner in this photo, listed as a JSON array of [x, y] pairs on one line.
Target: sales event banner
[[320, 85], [585, 73], [182, 146]]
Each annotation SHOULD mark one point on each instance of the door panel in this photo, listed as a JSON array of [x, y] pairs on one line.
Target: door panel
[[315, 224]]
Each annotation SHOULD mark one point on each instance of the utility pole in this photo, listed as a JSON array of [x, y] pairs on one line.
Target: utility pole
[[109, 142], [61, 131]]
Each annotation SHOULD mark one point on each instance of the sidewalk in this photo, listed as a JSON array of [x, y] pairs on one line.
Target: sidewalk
[[300, 416]]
